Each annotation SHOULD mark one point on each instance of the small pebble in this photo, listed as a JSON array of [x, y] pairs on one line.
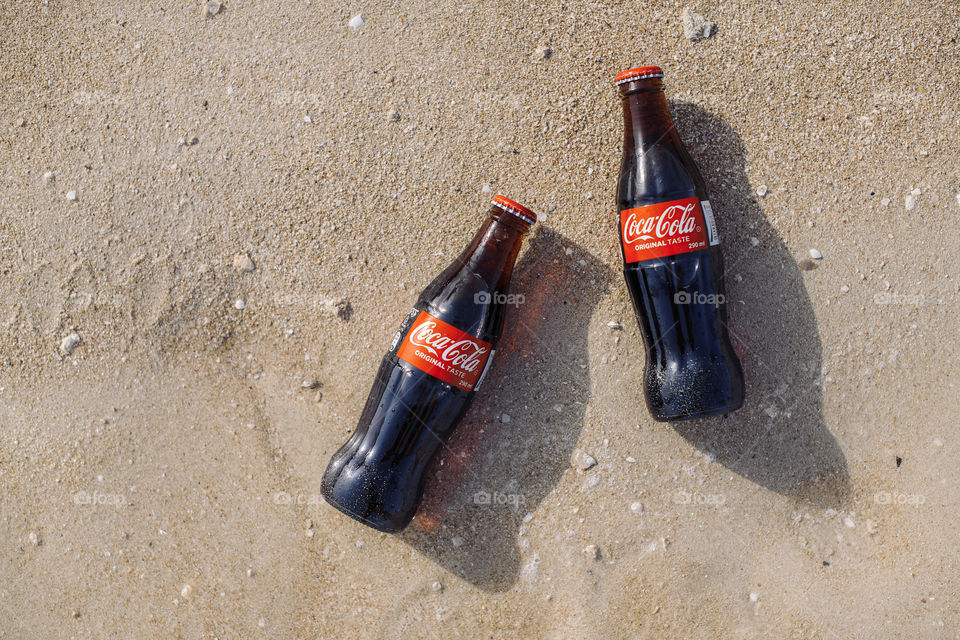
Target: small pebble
[[187, 591], [592, 551], [637, 508], [504, 418], [909, 203], [310, 383], [695, 26], [527, 518], [356, 21], [49, 176], [816, 255], [613, 324], [584, 461], [886, 201], [762, 190], [34, 538], [243, 262], [631, 459], [75, 614], [848, 522], [844, 288], [915, 192], [240, 304], [69, 343], [544, 52], [211, 8], [437, 586], [754, 596], [393, 115], [249, 573], [754, 241], [71, 195], [456, 541]]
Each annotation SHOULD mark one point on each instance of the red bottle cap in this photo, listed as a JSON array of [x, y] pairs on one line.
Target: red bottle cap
[[638, 73], [516, 209]]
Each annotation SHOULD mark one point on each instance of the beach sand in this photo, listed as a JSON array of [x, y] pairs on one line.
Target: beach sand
[[211, 226]]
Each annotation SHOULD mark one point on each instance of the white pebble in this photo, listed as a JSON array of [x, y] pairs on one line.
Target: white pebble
[[211, 8], [909, 203], [637, 508], [186, 591], [437, 586], [886, 201], [848, 522], [754, 596], [544, 52], [504, 418], [242, 262], [457, 541], [527, 518], [356, 22], [584, 461], [631, 459], [486, 189], [69, 343], [753, 241], [49, 176], [592, 551], [240, 304], [844, 288], [816, 255], [34, 538], [695, 26], [915, 192], [762, 190], [613, 324], [71, 195]]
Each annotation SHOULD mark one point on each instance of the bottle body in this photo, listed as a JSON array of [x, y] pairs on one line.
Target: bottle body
[[426, 382], [673, 265]]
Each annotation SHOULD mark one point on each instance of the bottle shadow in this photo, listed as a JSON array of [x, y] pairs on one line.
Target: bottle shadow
[[516, 441], [778, 439]]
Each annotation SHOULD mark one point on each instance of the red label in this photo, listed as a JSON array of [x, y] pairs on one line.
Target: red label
[[445, 352], [665, 229]]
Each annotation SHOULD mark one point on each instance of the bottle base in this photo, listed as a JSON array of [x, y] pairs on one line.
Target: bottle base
[[384, 526], [681, 417]]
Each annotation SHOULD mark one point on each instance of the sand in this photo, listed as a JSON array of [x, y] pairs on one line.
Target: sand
[[160, 452]]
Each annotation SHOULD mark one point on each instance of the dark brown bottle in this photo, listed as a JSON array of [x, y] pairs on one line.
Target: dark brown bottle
[[672, 261], [429, 377]]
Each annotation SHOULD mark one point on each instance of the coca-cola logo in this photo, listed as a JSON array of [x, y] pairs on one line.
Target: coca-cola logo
[[675, 220], [464, 354]]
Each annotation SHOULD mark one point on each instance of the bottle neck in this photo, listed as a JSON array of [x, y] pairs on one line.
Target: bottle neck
[[646, 116], [493, 250]]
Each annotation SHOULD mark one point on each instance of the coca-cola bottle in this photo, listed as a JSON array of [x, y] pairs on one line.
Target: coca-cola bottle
[[427, 380], [672, 261]]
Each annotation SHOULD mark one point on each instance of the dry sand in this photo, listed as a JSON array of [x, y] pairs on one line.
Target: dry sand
[[162, 480]]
